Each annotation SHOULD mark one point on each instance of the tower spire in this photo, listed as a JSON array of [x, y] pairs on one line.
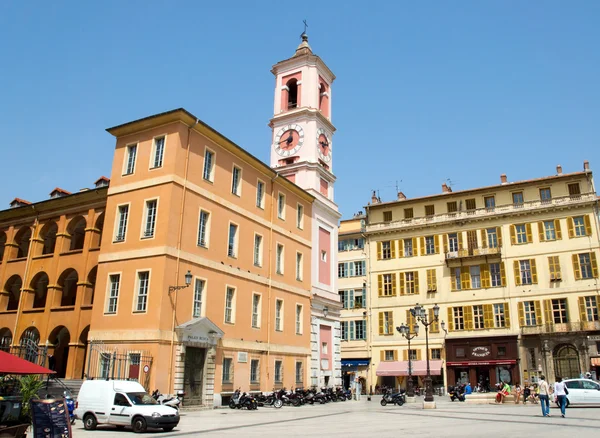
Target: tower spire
[[304, 47]]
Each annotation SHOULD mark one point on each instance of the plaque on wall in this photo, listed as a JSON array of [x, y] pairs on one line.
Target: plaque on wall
[[50, 419]]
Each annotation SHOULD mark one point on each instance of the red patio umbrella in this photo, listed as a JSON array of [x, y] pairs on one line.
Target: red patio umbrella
[[11, 364]]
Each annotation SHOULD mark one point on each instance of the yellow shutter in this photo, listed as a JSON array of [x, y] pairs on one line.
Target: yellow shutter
[[452, 280], [400, 248], [548, 312], [395, 354], [537, 305], [507, 315], [534, 278], [435, 325], [445, 240], [405, 355], [409, 321], [517, 272], [422, 242], [382, 355], [594, 265], [465, 277], [529, 233], [381, 323], [394, 284], [499, 234], [513, 235], [576, 268], [391, 324], [541, 233], [468, 316], [557, 229], [521, 314], [380, 284], [379, 251], [582, 312], [419, 354], [484, 238], [436, 243], [402, 285], [416, 273], [460, 240], [571, 227], [485, 276], [393, 249], [488, 316], [588, 225], [415, 247], [450, 320], [502, 274]]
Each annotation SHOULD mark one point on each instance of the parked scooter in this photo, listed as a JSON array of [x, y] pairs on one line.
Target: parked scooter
[[171, 401], [272, 399], [398, 398], [240, 400], [70, 406]]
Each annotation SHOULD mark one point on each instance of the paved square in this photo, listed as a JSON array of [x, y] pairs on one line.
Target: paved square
[[369, 419]]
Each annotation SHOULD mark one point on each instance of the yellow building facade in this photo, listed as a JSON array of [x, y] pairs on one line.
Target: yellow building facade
[[513, 268]]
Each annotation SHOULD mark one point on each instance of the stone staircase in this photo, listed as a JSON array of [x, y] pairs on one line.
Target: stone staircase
[[56, 387]]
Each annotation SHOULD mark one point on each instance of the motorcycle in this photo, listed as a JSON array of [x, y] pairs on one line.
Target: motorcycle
[[70, 406], [241, 400], [272, 399], [398, 398], [171, 401]]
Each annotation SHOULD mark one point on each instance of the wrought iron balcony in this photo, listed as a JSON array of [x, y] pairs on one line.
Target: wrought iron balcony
[[473, 253], [566, 327]]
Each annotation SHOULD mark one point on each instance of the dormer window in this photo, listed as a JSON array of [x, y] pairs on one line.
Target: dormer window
[[292, 101], [102, 182]]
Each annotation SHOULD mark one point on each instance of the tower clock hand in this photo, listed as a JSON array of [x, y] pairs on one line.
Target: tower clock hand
[[290, 139]]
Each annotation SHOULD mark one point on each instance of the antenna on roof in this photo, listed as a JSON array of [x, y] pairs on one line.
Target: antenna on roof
[[450, 183]]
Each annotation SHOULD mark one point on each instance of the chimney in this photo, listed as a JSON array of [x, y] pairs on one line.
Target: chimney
[[374, 199], [586, 166], [503, 179], [558, 169], [401, 196], [446, 189]]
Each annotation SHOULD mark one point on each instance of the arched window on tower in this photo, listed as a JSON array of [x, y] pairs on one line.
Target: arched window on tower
[[292, 101], [324, 98]]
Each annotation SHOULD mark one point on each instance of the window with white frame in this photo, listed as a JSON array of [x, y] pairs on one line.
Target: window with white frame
[[203, 223], [429, 245], [254, 371], [453, 242], [585, 264], [559, 311], [130, 159], [499, 315], [159, 151], [300, 216], [279, 315], [151, 209], [260, 194], [299, 266], [256, 310], [258, 245], [478, 321], [591, 308], [475, 272], [279, 259], [122, 217], [495, 274], [281, 206], [492, 237], [298, 319], [521, 233], [388, 355], [579, 226], [549, 230], [459, 320], [529, 313], [236, 181], [229, 304], [409, 251], [278, 371], [142, 291], [114, 281], [410, 285], [299, 372], [386, 250], [227, 370], [209, 165], [351, 244], [198, 296], [525, 267], [232, 241]]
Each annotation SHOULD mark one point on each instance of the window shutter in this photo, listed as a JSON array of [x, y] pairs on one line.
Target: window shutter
[[557, 229], [445, 241], [393, 249], [502, 274], [395, 354], [422, 242], [484, 238], [468, 316], [405, 355], [485, 276], [488, 316], [391, 320], [380, 285], [582, 312], [351, 270], [400, 248], [436, 243], [351, 298], [571, 227], [381, 323], [465, 277], [382, 355], [506, 315], [452, 280], [394, 284], [379, 252], [537, 305], [534, 278], [513, 235], [594, 264], [460, 240], [529, 233], [419, 354], [499, 234], [450, 320], [567, 311], [409, 322], [521, 314], [576, 269], [541, 233], [402, 286], [416, 274], [415, 247], [548, 312], [351, 326], [588, 225], [517, 272]]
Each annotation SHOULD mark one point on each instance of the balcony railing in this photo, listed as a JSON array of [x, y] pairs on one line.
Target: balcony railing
[[473, 252], [484, 212], [566, 327]]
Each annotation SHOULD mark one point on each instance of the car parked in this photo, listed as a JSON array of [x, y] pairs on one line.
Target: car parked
[[582, 392]]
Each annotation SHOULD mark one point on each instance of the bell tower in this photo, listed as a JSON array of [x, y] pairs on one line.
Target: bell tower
[[302, 151]]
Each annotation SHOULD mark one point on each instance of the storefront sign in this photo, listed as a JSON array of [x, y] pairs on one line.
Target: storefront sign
[[594, 338], [480, 352], [481, 363]]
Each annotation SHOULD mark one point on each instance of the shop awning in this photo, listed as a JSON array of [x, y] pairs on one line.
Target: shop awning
[[400, 368], [468, 363], [355, 363], [595, 361]]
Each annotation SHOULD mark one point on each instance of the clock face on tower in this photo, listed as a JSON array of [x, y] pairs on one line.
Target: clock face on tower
[[323, 145], [289, 140]]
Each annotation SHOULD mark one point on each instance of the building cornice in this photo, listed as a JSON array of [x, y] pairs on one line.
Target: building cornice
[[308, 59], [300, 115]]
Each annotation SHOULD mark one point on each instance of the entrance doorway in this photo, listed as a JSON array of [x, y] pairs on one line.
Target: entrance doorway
[[60, 338], [483, 378], [566, 362], [193, 374]]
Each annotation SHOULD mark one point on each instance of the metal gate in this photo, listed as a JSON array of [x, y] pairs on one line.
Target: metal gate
[[30, 350]]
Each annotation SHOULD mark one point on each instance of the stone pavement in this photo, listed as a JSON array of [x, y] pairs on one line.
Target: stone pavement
[[367, 419]]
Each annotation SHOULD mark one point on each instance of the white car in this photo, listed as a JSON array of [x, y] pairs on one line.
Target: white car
[[582, 392]]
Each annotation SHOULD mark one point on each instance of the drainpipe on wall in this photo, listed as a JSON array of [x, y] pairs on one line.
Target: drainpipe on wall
[[270, 276], [181, 210]]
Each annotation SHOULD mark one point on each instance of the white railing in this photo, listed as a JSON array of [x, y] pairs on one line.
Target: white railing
[[483, 212]]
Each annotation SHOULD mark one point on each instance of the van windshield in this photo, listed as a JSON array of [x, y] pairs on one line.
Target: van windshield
[[141, 398]]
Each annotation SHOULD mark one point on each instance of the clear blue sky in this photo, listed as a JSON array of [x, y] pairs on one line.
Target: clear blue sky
[[425, 91]]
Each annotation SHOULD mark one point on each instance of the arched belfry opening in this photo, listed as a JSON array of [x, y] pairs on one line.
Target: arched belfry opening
[[292, 100]]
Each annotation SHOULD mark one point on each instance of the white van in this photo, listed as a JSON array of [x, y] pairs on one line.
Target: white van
[[122, 403]]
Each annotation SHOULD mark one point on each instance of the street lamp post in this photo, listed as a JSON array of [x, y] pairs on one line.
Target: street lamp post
[[421, 316], [404, 330]]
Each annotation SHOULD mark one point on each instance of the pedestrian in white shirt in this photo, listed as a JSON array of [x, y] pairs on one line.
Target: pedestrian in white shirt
[[544, 396], [560, 394]]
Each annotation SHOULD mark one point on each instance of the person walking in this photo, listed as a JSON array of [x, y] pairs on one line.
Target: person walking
[[544, 396], [560, 394]]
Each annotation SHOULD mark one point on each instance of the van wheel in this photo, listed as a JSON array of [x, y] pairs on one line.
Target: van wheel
[[139, 425], [89, 422]]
